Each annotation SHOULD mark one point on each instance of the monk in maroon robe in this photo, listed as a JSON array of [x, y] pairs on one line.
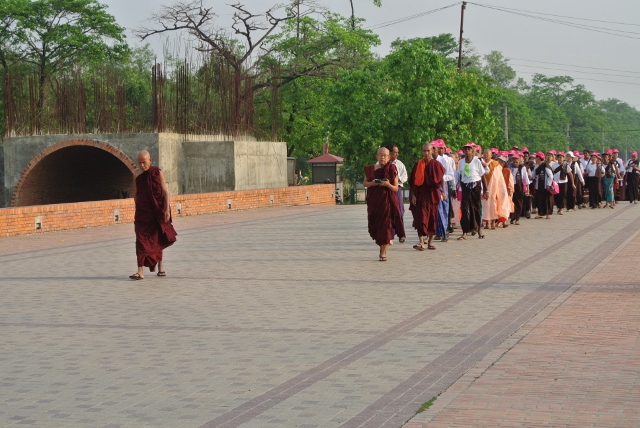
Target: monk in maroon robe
[[427, 190], [152, 221], [383, 210]]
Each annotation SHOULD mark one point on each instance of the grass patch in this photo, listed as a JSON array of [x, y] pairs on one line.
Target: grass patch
[[426, 405]]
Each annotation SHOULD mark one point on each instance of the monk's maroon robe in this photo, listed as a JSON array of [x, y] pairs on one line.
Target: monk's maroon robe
[[383, 210], [153, 234], [425, 211]]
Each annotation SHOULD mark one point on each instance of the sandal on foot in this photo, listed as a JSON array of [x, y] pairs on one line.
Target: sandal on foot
[[418, 247], [480, 236], [136, 276], [162, 273], [462, 238], [431, 247], [383, 258], [401, 240]]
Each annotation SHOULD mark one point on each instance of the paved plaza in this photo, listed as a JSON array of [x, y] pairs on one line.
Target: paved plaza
[[284, 317]]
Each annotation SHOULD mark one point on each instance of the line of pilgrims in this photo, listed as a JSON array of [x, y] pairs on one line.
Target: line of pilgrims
[[488, 189]]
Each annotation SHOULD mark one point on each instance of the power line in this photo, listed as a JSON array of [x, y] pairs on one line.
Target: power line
[[577, 71], [585, 78], [410, 17], [572, 17], [570, 65], [566, 23]]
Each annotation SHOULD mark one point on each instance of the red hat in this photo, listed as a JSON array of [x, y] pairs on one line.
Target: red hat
[[560, 154], [608, 152], [470, 144], [494, 150], [634, 153], [460, 152], [553, 152], [512, 153], [616, 151], [478, 147], [540, 155], [447, 150], [525, 150], [438, 143]]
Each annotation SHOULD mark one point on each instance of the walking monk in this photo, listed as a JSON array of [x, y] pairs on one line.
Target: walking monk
[[383, 209], [152, 221], [427, 190]]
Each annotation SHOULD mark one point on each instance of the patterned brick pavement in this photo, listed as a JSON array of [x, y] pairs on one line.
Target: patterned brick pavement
[[277, 318], [575, 364]]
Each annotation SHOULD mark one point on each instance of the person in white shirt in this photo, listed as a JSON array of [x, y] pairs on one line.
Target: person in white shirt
[[542, 182], [449, 182], [619, 186], [562, 175], [633, 172], [394, 151], [471, 176], [521, 187], [574, 188], [594, 170]]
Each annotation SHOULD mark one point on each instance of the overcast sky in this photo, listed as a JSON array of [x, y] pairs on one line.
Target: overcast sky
[[581, 54]]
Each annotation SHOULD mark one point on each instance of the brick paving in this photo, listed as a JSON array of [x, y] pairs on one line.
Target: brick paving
[[283, 317], [575, 364]]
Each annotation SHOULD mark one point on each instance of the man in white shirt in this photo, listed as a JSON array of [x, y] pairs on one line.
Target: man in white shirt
[[444, 219], [574, 188], [619, 183], [594, 171], [394, 151], [471, 176], [562, 175], [521, 184]]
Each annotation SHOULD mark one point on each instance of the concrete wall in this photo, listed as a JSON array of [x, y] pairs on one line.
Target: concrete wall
[[260, 165], [169, 155], [207, 166], [198, 165], [19, 151]]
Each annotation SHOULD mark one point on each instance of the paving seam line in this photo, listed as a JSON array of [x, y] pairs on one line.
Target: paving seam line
[[267, 400], [468, 379], [74, 248]]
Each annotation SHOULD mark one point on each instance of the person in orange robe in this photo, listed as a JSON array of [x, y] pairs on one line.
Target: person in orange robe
[[427, 190], [152, 220], [383, 209]]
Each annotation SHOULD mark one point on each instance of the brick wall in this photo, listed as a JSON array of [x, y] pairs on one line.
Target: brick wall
[[22, 220]]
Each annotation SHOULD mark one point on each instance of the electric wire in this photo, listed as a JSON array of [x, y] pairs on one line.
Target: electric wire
[[566, 23], [571, 17], [571, 65], [576, 71], [585, 78], [410, 17]]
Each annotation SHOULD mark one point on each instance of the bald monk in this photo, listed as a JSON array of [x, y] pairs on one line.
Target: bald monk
[[383, 209], [427, 190], [152, 221]]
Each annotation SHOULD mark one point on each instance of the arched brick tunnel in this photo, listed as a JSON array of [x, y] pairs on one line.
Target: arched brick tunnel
[[75, 173]]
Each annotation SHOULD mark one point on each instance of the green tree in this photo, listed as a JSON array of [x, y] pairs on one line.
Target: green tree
[[55, 35], [498, 68]]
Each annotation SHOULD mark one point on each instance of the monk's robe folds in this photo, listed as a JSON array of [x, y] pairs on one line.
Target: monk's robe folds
[[153, 234], [383, 210]]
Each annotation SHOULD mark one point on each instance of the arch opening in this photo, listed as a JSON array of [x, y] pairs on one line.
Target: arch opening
[[76, 174]]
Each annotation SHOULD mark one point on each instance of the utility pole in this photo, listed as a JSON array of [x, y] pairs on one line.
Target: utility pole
[[568, 137], [506, 124], [464, 6]]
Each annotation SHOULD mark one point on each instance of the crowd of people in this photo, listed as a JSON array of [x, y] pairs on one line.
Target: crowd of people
[[475, 189]]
